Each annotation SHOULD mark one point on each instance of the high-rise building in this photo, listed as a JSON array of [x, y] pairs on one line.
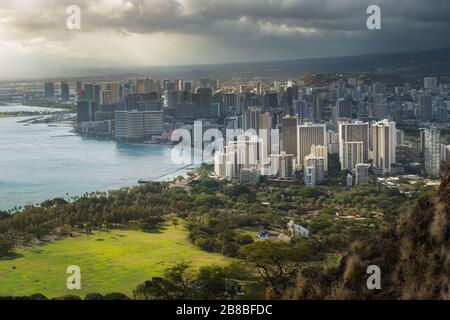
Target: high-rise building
[[343, 109], [105, 97], [97, 92], [88, 92], [49, 89], [313, 171], [321, 152], [251, 119], [266, 125], [384, 141], [115, 91], [285, 163], [432, 152], [202, 98], [65, 92], [290, 124], [425, 107], [379, 106], [79, 89], [353, 132], [430, 83], [258, 88], [309, 135], [351, 154], [137, 125], [86, 111]]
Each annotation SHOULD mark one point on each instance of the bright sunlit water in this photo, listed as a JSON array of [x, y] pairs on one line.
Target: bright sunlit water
[[38, 162]]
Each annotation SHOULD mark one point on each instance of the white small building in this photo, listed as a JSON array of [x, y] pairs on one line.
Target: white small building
[[296, 230], [349, 180]]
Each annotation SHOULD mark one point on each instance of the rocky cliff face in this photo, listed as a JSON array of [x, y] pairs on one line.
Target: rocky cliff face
[[413, 255]]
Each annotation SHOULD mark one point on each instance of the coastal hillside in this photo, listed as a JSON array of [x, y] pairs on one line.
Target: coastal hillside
[[413, 255]]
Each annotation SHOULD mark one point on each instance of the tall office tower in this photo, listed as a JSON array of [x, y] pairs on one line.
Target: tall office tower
[[258, 88], [291, 95], [309, 135], [105, 97], [88, 92], [318, 107], [65, 92], [313, 171], [229, 101], [251, 119], [171, 99], [397, 110], [384, 142], [430, 83], [379, 106], [242, 88], [343, 109], [266, 124], [180, 85], [144, 86], [380, 88], [168, 85], [289, 125], [301, 109], [188, 86], [354, 132], [321, 152], [270, 101], [351, 154], [49, 89], [425, 107], [432, 152], [79, 89], [362, 173], [97, 92], [285, 164], [400, 137], [114, 87], [205, 84], [202, 98], [86, 111], [132, 100], [220, 162], [137, 125]]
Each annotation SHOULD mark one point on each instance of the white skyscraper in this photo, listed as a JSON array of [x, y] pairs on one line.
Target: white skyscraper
[[384, 141], [432, 152], [352, 154]]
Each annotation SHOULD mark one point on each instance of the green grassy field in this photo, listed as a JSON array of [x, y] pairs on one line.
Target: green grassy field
[[109, 262]]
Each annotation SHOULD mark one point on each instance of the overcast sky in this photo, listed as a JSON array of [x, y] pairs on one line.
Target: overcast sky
[[34, 39]]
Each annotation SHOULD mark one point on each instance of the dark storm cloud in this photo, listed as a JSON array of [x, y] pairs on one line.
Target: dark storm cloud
[[249, 29]]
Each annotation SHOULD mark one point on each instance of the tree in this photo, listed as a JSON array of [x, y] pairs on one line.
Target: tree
[[5, 248], [277, 263]]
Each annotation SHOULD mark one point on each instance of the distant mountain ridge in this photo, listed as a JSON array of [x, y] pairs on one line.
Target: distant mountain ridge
[[427, 62]]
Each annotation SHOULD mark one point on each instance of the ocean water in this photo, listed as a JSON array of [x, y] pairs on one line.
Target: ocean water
[[38, 162], [19, 108]]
